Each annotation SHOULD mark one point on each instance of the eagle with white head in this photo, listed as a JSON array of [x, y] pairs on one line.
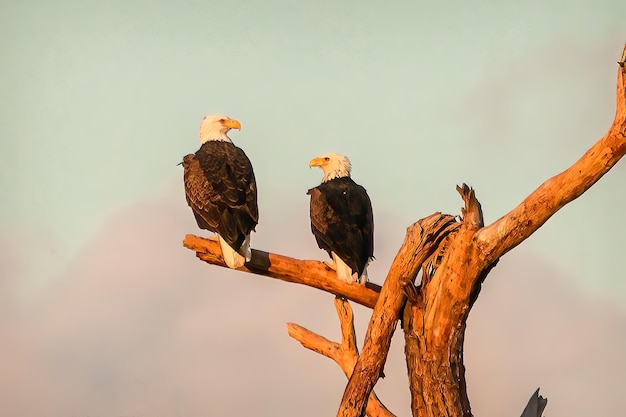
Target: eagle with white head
[[221, 189], [342, 220]]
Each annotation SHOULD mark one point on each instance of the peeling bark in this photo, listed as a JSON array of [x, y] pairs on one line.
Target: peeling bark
[[434, 320]]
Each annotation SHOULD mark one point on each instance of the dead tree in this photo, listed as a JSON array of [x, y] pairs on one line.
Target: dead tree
[[454, 257]]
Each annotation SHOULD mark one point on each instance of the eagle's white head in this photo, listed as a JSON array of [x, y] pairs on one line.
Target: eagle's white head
[[333, 165], [216, 127]]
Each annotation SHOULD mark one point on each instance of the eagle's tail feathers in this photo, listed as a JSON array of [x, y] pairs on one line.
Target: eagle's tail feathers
[[232, 258], [344, 272]]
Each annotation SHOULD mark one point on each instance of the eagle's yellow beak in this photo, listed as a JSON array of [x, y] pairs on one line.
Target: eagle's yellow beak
[[232, 124], [318, 162]]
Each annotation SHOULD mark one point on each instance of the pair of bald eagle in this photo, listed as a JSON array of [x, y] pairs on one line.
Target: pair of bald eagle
[[221, 190]]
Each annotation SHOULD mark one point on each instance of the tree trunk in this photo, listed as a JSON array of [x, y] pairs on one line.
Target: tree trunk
[[436, 373], [434, 319]]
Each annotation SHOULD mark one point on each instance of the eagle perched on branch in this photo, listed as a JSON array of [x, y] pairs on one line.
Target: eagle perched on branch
[[221, 189], [341, 219]]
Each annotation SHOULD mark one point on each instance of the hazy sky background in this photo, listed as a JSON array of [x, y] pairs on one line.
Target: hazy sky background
[[103, 313]]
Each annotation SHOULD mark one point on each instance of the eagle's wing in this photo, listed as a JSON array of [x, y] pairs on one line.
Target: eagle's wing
[[230, 195], [198, 194], [342, 221]]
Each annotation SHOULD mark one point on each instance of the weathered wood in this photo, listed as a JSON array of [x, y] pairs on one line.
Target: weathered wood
[[514, 227], [434, 321], [421, 239], [344, 354], [312, 273]]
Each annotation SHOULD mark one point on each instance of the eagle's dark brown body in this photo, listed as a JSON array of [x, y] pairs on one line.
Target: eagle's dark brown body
[[342, 221], [221, 190]]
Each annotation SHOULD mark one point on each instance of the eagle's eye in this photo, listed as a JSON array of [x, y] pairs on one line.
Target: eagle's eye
[[326, 159]]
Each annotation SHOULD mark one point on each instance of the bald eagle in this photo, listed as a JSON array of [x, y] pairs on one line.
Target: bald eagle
[[221, 189], [341, 219]]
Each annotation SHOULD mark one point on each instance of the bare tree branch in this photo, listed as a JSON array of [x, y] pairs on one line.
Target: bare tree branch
[[344, 354], [312, 273], [514, 227]]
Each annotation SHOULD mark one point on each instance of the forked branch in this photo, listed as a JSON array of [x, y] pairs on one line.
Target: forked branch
[[344, 354]]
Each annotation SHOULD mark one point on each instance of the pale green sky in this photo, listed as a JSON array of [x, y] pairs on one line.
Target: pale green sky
[[100, 101], [103, 98]]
